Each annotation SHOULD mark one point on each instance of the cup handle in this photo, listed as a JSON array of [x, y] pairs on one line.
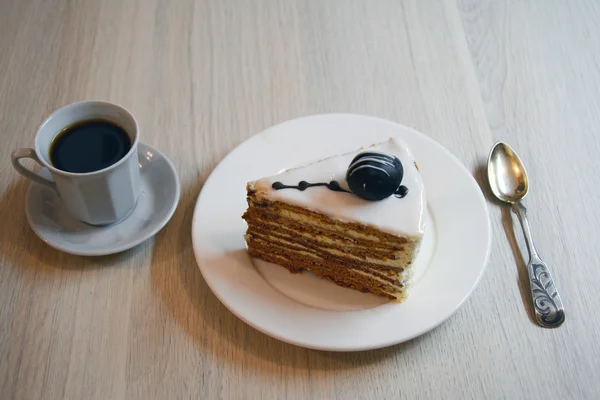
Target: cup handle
[[29, 153]]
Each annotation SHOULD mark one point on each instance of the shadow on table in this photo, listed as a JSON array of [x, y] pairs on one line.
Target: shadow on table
[[178, 281], [20, 246], [481, 177]]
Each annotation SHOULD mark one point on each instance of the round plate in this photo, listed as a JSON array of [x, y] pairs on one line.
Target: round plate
[[455, 259], [157, 201]]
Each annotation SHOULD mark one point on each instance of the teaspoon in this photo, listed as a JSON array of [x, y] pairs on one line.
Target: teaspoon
[[509, 183]]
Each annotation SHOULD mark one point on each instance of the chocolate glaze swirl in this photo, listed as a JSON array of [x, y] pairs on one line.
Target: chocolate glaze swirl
[[334, 186], [303, 185]]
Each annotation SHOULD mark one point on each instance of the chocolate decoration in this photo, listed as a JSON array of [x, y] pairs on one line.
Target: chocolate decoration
[[375, 176], [303, 185], [401, 192], [370, 176]]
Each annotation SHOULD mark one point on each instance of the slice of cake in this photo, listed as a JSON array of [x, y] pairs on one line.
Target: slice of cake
[[356, 219]]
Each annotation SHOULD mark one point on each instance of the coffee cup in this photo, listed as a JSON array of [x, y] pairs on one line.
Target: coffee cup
[[90, 150]]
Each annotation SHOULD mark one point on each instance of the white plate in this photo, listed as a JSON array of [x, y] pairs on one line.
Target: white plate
[[157, 201], [305, 310]]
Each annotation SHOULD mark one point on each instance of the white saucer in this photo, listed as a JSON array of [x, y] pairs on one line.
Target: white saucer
[[307, 311], [158, 199]]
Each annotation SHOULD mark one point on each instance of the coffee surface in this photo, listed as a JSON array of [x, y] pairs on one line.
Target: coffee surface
[[89, 146]]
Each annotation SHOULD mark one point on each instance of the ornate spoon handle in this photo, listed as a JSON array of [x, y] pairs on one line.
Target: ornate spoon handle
[[549, 310]]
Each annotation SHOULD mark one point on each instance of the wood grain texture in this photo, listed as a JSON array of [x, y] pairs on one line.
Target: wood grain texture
[[203, 75]]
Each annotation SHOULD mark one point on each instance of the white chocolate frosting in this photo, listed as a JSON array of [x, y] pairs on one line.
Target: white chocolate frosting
[[397, 216]]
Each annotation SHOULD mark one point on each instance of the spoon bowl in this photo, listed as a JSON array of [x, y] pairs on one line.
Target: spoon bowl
[[507, 175]]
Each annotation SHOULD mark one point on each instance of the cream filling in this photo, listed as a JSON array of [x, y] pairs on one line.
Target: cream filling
[[379, 279], [398, 264], [387, 263]]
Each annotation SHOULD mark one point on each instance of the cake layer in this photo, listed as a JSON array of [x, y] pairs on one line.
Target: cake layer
[[391, 275], [311, 241], [322, 236], [319, 232], [378, 260], [297, 261], [286, 213]]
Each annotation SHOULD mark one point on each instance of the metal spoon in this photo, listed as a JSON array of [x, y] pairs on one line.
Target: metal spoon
[[509, 183]]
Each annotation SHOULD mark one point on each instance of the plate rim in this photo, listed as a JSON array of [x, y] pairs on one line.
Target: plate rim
[[430, 142]]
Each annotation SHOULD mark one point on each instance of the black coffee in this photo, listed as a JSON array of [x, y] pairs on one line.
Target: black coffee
[[89, 146]]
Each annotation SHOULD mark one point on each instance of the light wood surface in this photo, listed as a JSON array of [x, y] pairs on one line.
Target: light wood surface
[[201, 76]]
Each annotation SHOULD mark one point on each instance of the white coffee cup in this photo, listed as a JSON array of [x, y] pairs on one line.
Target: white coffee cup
[[99, 197]]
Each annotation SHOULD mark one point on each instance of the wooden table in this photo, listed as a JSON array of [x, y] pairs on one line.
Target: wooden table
[[201, 76]]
